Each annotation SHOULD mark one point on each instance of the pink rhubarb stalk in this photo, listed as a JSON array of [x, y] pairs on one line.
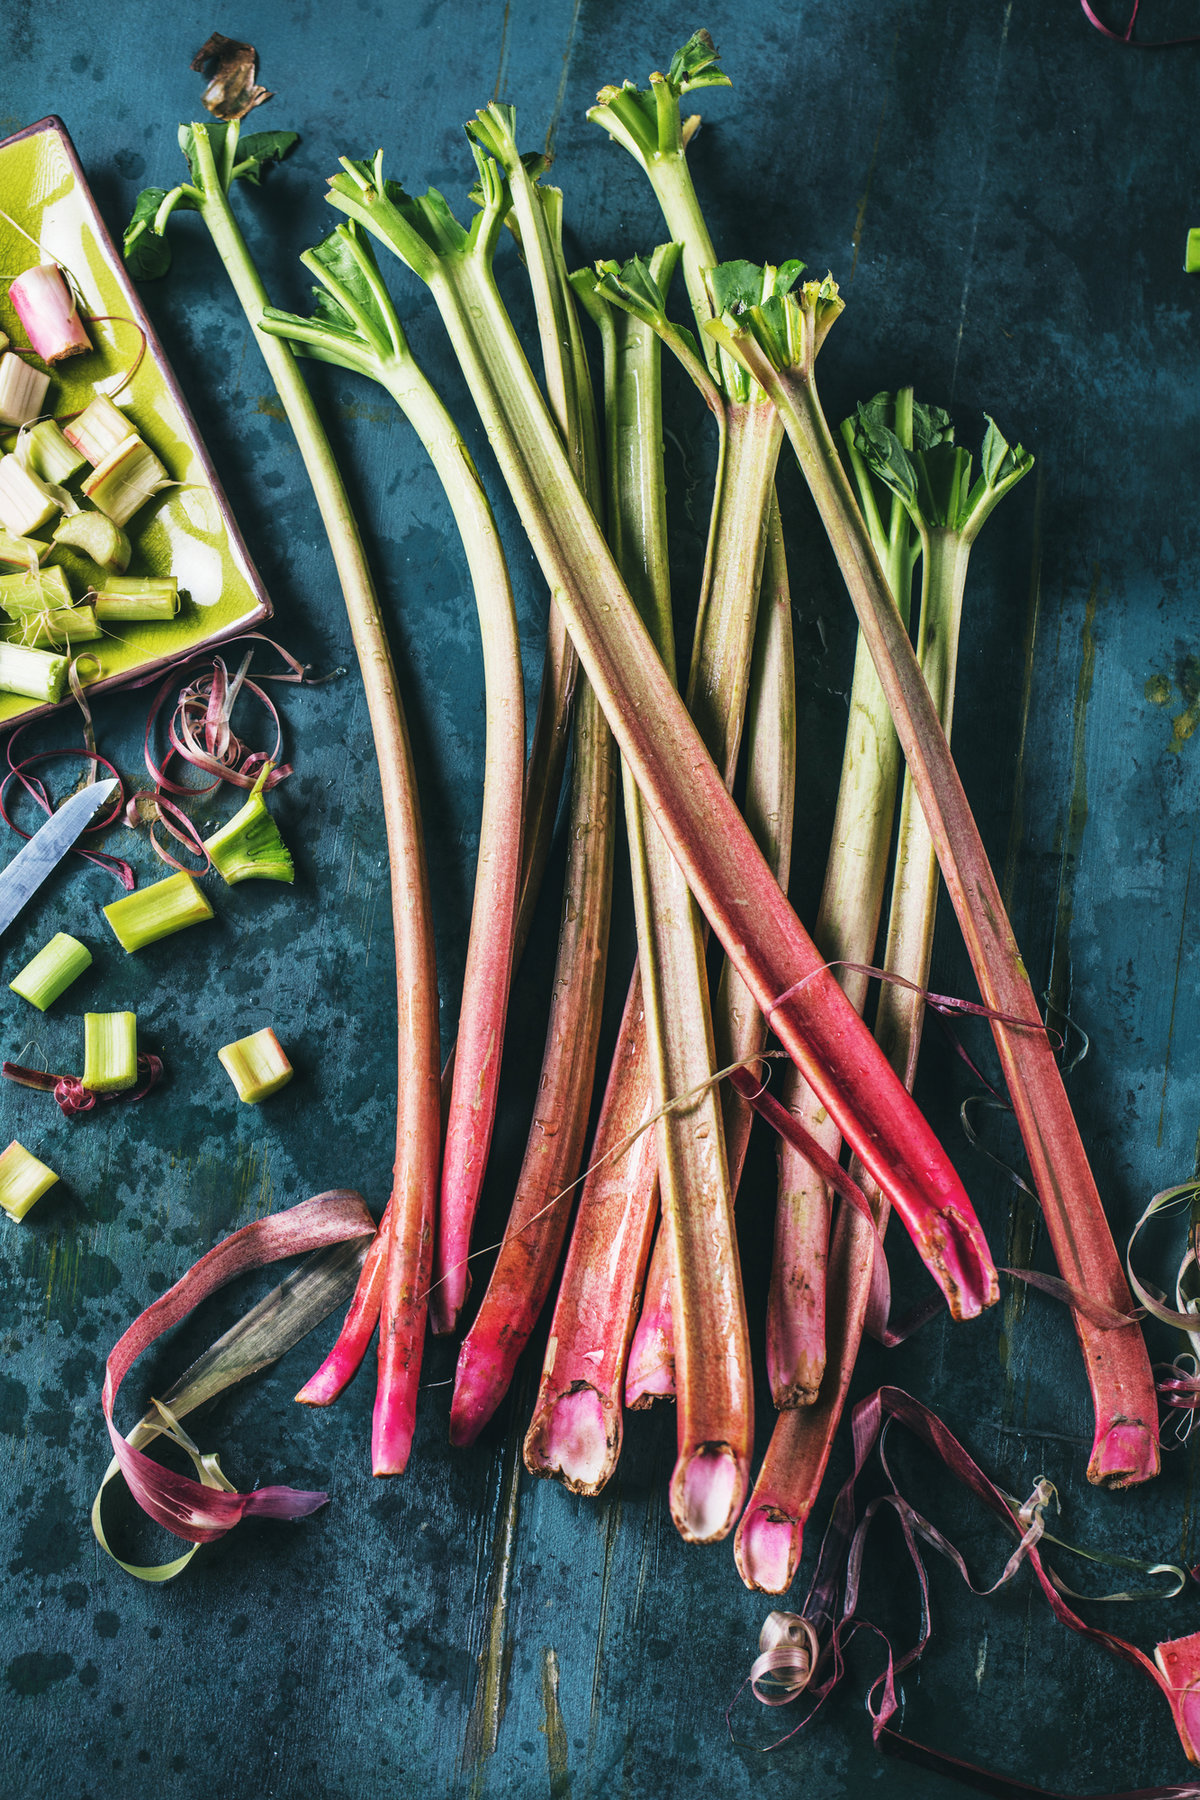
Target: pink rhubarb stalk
[[575, 1432], [49, 312], [706, 834], [1125, 1448], [537, 1223]]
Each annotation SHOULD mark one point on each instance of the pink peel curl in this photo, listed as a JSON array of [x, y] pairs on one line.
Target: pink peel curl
[[184, 1506]]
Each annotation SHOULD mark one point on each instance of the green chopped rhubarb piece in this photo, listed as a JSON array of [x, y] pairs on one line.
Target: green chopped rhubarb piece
[[98, 429], [138, 597], [21, 552], [125, 480], [51, 972], [61, 625], [22, 390], [257, 1066], [23, 1179], [109, 1052], [1191, 255], [250, 845], [26, 504], [156, 912], [33, 591], [38, 674], [48, 452], [95, 535]]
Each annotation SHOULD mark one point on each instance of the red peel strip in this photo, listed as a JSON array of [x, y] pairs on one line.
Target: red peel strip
[[181, 1504], [1127, 37], [831, 1606]]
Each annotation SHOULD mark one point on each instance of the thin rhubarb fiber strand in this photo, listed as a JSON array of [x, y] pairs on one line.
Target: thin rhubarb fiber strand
[[418, 1110], [200, 1514], [541, 1205], [738, 1025], [1125, 1447], [845, 932], [706, 833]]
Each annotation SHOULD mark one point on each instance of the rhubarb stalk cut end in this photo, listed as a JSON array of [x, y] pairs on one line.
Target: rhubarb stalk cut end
[[707, 1493], [768, 1549], [574, 1442], [1179, 1660], [1125, 1453]]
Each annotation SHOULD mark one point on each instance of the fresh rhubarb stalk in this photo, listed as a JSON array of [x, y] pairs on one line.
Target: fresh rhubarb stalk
[[47, 309], [738, 1026], [418, 1107], [61, 625], [705, 831], [33, 591], [712, 1351], [575, 1432], [846, 930], [358, 1327], [38, 674], [778, 344], [541, 1208], [537, 1222], [358, 328]]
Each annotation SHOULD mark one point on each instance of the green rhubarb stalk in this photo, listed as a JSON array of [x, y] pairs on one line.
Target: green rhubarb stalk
[[257, 1065], [158, 911], [418, 1106], [356, 327], [537, 1222], [249, 847], [706, 833], [846, 931], [739, 1028], [778, 344]]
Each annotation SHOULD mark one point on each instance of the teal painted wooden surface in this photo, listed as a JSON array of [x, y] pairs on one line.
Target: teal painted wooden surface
[[1004, 198]]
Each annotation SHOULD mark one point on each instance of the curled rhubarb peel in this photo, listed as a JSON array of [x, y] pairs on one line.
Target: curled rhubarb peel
[[788, 331], [189, 1509]]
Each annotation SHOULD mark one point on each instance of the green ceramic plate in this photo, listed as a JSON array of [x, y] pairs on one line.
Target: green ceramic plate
[[47, 214]]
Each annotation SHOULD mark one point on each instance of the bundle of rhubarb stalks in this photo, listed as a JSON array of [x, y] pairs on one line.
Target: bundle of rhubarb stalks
[[647, 1303]]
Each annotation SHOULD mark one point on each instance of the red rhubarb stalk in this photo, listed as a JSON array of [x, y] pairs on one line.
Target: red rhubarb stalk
[[1125, 1448], [541, 1208], [418, 1110], [739, 1027], [706, 833], [846, 930], [575, 1432]]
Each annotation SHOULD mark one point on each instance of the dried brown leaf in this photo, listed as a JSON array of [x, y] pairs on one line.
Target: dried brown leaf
[[231, 68]]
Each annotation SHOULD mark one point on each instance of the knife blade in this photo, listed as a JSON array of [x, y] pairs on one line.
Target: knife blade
[[47, 847]]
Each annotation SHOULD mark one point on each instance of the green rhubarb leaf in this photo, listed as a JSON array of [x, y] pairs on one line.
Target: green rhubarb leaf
[[146, 250], [694, 65], [259, 150]]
